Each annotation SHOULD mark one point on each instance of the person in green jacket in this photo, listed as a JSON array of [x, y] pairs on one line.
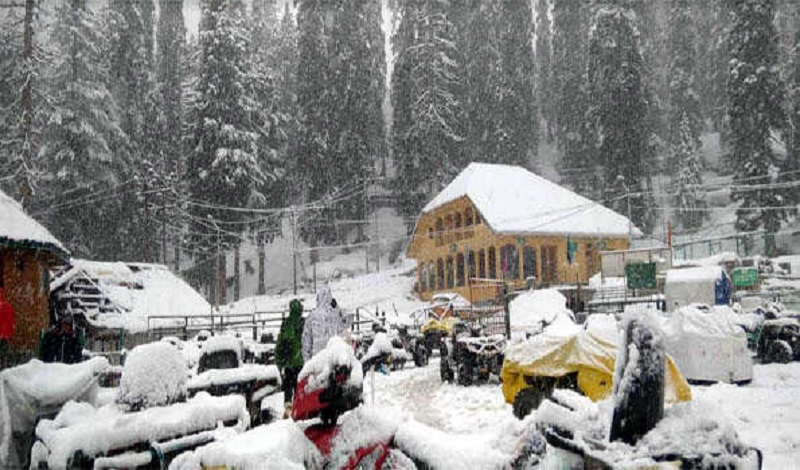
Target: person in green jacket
[[288, 351]]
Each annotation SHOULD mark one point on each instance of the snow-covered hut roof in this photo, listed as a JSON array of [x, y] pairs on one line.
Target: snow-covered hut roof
[[692, 275], [137, 290], [511, 199], [19, 229]]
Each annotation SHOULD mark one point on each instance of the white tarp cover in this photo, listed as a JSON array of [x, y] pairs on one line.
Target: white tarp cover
[[691, 285], [37, 389], [708, 346]]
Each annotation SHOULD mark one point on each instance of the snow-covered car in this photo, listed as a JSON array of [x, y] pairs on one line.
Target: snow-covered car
[[708, 344], [220, 372], [150, 422]]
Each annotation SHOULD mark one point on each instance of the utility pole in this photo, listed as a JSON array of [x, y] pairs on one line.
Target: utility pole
[[294, 251], [218, 269], [366, 214]]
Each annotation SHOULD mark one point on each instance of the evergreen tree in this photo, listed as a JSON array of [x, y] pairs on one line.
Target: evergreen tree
[[714, 20], [570, 105], [685, 120], [424, 97], [81, 132], [225, 167], [543, 52], [790, 171], [755, 92], [618, 113], [21, 100]]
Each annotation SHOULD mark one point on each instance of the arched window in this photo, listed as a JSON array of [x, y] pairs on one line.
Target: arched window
[[431, 276], [448, 226], [460, 269], [468, 221], [510, 261], [439, 274], [457, 228], [423, 278], [492, 263], [482, 264], [529, 262], [471, 265], [450, 280], [439, 229]]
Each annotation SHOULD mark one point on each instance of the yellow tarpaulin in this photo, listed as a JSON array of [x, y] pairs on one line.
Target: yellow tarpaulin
[[591, 356], [445, 325]]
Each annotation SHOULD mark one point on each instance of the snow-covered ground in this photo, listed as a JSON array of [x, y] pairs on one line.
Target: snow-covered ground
[[766, 413]]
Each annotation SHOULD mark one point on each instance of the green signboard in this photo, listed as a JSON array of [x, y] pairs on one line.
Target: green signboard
[[745, 277], [641, 275]]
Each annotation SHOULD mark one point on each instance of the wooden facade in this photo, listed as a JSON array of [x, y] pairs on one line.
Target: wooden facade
[[456, 251], [24, 277]]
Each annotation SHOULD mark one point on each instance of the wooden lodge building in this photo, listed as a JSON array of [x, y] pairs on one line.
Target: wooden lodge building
[[27, 252], [500, 223]]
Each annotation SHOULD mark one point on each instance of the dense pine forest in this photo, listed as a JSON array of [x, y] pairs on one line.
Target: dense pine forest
[[133, 137]]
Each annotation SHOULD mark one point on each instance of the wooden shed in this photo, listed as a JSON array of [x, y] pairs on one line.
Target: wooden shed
[[27, 251], [503, 224]]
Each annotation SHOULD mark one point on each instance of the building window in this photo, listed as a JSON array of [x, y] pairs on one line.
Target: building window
[[471, 264], [439, 229], [529, 261], [430, 233], [460, 269], [468, 221], [440, 274], [450, 280], [448, 226], [423, 278], [482, 264], [431, 276], [478, 220], [549, 268], [457, 219], [510, 259], [492, 263]]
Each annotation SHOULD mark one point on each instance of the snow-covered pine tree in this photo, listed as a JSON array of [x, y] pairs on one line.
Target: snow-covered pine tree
[[21, 99], [312, 170], [570, 22], [544, 91], [714, 20], [618, 113], [225, 167], [755, 92], [131, 82], [357, 137], [424, 97], [81, 134], [790, 172], [685, 119]]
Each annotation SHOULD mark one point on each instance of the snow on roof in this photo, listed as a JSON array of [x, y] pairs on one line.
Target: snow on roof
[[17, 227], [511, 199], [138, 290], [691, 275]]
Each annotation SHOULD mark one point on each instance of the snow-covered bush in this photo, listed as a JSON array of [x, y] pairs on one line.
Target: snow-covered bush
[[155, 374]]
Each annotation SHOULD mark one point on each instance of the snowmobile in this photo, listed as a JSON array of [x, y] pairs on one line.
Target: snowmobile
[[470, 357], [641, 433]]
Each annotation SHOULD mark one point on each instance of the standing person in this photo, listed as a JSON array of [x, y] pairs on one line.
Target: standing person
[[324, 322], [7, 326], [288, 352]]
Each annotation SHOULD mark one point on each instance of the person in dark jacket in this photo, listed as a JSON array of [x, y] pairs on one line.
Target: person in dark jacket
[[61, 342], [289, 352]]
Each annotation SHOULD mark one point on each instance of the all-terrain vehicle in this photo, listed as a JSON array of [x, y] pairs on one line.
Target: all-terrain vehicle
[[470, 357], [220, 372], [779, 340]]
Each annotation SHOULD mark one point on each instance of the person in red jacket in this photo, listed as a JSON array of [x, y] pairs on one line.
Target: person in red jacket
[[7, 324]]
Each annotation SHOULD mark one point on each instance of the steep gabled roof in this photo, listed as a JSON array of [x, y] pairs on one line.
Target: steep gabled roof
[[511, 199], [18, 229]]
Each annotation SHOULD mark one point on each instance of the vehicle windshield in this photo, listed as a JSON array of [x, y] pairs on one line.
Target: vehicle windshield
[[218, 360]]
